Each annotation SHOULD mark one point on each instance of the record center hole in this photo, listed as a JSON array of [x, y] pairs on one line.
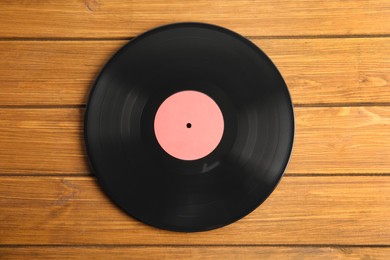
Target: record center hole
[[189, 125]]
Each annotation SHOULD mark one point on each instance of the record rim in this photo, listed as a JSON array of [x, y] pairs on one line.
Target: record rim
[[111, 195]]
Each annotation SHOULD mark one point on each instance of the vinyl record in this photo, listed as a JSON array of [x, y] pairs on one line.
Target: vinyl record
[[189, 127]]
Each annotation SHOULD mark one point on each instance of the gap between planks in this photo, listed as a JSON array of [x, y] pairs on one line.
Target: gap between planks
[[191, 245], [82, 106], [258, 37], [198, 252], [287, 175]]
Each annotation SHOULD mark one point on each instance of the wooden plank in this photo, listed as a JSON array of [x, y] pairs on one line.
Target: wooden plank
[[329, 140], [103, 18], [317, 71], [41, 141], [341, 140], [195, 252], [51, 72], [302, 211]]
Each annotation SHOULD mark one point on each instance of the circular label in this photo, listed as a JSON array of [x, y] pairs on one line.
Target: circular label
[[189, 125]]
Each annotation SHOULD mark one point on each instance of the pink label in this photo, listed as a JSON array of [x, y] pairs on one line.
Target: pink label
[[189, 125]]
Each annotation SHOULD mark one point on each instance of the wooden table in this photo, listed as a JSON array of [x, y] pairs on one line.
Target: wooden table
[[334, 200]]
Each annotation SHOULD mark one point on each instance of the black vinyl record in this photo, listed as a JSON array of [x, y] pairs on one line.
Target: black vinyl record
[[198, 194]]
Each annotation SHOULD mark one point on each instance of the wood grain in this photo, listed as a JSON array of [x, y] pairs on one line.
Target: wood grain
[[41, 141], [317, 71], [103, 18], [330, 140], [302, 210], [335, 58], [341, 140], [196, 252]]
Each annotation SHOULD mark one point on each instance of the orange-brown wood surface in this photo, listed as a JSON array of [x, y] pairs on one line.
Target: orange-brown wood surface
[[197, 252], [334, 201], [328, 140], [317, 71], [68, 210], [118, 18]]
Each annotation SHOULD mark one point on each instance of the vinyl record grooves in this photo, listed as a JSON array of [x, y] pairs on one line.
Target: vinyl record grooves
[[245, 113]]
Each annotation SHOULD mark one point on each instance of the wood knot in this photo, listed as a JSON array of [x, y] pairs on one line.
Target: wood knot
[[69, 192], [92, 5]]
